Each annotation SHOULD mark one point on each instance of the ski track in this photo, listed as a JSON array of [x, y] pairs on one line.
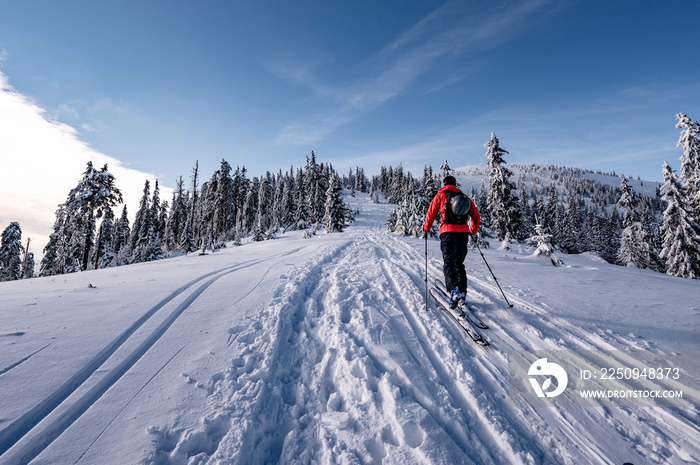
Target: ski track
[[14, 433], [22, 360]]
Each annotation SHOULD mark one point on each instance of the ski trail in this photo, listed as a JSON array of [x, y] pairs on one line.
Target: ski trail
[[523, 420], [528, 326], [22, 360], [41, 441], [13, 433], [17, 429], [80, 458], [508, 433]]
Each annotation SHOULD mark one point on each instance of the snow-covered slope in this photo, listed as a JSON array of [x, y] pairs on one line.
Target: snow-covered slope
[[321, 351]]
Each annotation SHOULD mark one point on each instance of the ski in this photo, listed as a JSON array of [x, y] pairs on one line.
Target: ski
[[443, 301], [467, 312]]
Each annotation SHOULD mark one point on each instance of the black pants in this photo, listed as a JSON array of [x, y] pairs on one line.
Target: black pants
[[454, 251]]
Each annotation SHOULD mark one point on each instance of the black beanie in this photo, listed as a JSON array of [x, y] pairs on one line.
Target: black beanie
[[449, 181]]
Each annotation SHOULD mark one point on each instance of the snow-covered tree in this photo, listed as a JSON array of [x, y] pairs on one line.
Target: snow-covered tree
[[680, 240], [634, 241], [287, 208], [302, 218], [28, 265], [188, 237], [542, 240], [71, 243], [689, 141], [104, 249], [572, 233], [506, 216], [446, 170], [176, 217], [122, 232], [142, 227], [628, 203], [11, 251], [335, 214]]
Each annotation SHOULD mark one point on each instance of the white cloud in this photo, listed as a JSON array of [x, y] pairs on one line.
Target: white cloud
[[41, 160]]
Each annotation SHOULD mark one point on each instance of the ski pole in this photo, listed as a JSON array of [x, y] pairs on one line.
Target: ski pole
[[426, 271], [510, 305]]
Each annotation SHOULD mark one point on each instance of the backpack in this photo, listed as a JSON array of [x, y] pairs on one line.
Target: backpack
[[457, 208]]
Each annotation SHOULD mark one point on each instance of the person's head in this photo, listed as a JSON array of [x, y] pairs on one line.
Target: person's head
[[449, 181]]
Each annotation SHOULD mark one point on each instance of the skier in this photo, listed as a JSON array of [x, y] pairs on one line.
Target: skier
[[459, 219]]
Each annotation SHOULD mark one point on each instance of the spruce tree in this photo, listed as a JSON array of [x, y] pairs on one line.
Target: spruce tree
[[634, 243], [54, 256], [104, 250], [122, 232], [689, 141], [11, 251], [288, 201], [28, 265], [143, 224], [335, 213], [176, 217], [301, 215], [71, 243], [680, 240], [542, 240], [94, 193], [188, 237], [502, 203]]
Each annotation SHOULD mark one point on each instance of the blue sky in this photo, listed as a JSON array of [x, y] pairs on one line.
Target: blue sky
[[157, 85]]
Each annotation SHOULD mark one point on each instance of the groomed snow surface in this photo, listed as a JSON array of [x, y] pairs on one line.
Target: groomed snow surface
[[321, 351]]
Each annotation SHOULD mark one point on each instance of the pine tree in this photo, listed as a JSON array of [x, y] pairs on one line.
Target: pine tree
[[680, 241], [301, 215], [28, 265], [502, 203], [94, 193], [11, 251], [335, 213], [550, 212], [628, 203], [176, 217], [572, 231], [104, 250], [634, 242], [288, 201], [122, 232], [54, 257], [71, 243], [188, 241], [224, 205], [143, 224], [542, 240], [528, 225], [689, 141]]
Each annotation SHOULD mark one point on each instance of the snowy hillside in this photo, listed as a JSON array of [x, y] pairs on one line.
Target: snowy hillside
[[475, 176], [321, 351]]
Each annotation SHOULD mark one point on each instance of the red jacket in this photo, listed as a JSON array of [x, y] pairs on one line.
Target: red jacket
[[438, 205]]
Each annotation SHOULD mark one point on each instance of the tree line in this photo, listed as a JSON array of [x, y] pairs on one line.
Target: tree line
[[620, 225], [203, 217]]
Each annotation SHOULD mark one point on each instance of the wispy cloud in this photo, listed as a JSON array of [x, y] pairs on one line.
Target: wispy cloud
[[453, 30], [630, 131]]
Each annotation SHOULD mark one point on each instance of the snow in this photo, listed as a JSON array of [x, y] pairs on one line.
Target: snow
[[321, 351]]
